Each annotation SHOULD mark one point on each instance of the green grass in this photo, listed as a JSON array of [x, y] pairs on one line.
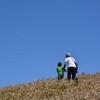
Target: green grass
[[88, 88]]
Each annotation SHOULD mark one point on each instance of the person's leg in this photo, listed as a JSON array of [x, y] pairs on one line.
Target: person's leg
[[73, 73], [59, 76], [69, 73], [62, 76]]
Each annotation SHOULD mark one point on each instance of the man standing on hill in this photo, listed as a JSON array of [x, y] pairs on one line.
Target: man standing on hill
[[72, 67]]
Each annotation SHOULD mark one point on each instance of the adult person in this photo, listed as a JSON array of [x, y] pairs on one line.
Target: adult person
[[72, 67]]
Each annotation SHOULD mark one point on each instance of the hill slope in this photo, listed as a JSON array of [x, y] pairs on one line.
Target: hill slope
[[88, 88]]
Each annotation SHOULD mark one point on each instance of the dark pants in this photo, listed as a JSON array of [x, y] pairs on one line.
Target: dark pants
[[71, 73], [60, 76]]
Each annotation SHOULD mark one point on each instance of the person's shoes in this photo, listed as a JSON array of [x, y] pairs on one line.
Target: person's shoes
[[76, 79]]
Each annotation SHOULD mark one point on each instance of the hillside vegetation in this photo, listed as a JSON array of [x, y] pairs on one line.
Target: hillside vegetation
[[88, 88]]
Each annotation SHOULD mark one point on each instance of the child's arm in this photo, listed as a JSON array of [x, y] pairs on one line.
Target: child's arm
[[57, 70]]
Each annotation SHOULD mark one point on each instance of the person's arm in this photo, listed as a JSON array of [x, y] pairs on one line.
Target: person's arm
[[75, 64], [57, 70], [76, 67], [65, 60], [64, 68], [64, 65]]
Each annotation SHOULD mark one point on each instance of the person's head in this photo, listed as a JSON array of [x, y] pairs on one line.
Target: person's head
[[59, 64], [68, 55]]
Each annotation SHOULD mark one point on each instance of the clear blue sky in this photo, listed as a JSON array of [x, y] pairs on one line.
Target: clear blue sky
[[36, 34]]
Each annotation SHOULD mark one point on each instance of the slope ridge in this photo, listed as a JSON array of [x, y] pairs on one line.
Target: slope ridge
[[88, 88]]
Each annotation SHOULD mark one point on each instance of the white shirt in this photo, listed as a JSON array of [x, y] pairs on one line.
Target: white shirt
[[70, 61]]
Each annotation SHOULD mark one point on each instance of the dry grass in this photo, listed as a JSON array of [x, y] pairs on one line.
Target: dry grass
[[88, 88]]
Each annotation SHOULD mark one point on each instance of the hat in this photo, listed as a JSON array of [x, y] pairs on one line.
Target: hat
[[68, 55]]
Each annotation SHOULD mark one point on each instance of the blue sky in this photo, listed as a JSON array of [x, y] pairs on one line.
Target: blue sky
[[36, 34]]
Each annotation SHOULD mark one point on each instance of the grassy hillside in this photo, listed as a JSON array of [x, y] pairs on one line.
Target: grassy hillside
[[88, 88]]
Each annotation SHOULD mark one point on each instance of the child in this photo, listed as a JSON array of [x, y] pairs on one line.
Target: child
[[60, 71]]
